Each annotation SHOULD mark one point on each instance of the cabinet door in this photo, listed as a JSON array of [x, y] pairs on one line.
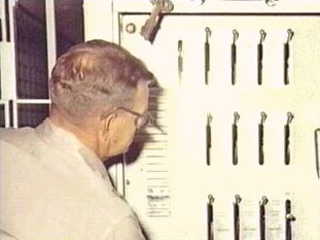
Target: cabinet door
[[168, 181]]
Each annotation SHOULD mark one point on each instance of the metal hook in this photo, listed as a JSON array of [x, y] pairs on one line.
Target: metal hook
[[263, 35], [236, 117], [237, 199], [180, 46], [263, 117], [290, 35], [235, 35], [208, 33], [289, 117], [264, 201], [211, 199], [209, 118]]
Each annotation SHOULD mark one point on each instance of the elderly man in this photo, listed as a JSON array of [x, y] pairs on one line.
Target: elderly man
[[53, 181]]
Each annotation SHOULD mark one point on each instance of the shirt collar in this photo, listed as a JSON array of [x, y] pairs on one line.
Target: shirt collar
[[69, 143]]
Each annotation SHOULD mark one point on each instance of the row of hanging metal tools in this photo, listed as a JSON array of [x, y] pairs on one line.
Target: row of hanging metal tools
[[260, 126], [260, 55], [262, 208]]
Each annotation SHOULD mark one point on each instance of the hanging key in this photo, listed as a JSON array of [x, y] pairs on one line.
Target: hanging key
[[236, 217], [152, 25], [180, 60], [287, 139], [262, 213], [210, 217], [235, 138], [289, 218], [234, 56], [260, 55], [207, 55], [287, 56], [208, 138], [261, 137], [316, 141]]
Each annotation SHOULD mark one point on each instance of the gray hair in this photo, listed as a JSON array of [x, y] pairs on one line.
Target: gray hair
[[94, 76]]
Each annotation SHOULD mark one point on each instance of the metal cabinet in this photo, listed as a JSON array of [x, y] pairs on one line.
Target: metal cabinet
[[269, 96]]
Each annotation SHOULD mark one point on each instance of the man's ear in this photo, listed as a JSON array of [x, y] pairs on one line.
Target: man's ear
[[106, 123]]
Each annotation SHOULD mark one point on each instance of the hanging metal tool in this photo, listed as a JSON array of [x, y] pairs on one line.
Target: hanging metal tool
[[316, 141], [261, 137], [236, 217], [210, 217], [289, 218], [262, 212], [152, 25], [287, 139], [180, 59], [234, 56], [260, 55], [235, 138], [207, 54], [208, 138], [286, 54]]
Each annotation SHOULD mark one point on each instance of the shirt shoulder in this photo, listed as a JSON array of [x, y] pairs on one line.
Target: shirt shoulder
[[127, 228], [20, 137], [38, 179]]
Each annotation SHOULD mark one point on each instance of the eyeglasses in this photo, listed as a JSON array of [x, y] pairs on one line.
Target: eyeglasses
[[142, 120]]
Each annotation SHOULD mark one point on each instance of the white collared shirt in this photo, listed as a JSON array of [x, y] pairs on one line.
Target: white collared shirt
[[53, 187]]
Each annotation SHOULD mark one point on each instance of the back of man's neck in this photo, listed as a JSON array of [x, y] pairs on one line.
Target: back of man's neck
[[86, 135]]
